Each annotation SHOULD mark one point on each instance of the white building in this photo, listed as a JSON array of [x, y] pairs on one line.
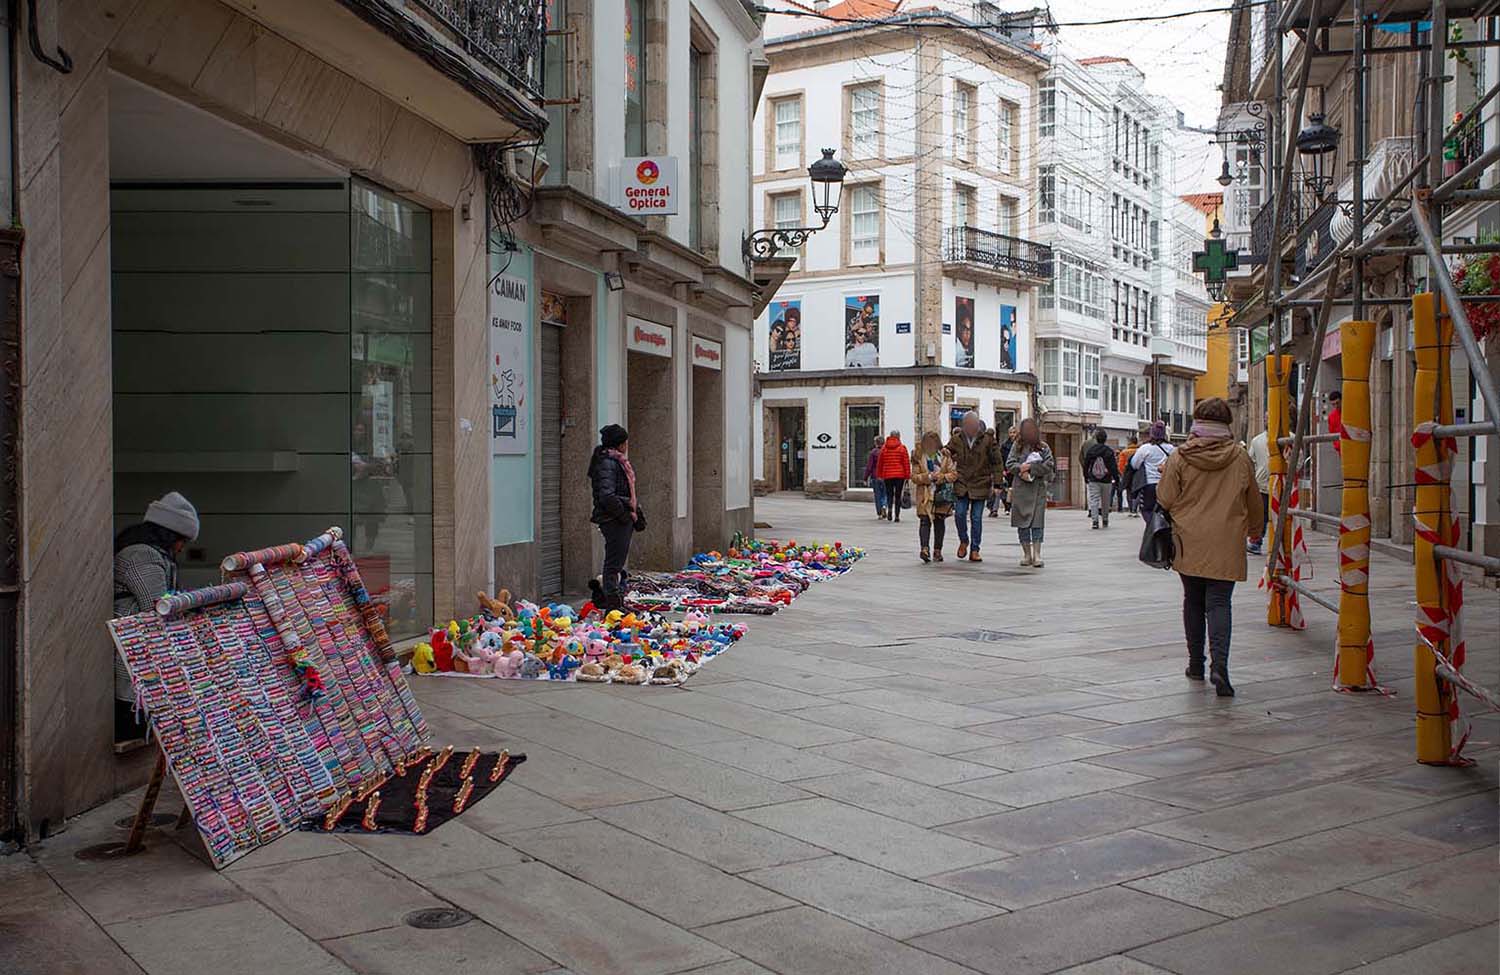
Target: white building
[[916, 302], [1106, 208]]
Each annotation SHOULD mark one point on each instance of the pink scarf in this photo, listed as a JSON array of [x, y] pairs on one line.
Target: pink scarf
[[1210, 430], [629, 476]]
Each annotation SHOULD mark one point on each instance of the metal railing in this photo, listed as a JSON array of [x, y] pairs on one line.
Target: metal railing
[[998, 252], [507, 36]]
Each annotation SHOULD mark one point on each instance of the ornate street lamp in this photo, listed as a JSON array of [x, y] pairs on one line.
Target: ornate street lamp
[[1315, 141], [827, 177], [1225, 176]]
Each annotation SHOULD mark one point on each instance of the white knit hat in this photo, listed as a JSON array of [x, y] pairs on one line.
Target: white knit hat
[[175, 513]]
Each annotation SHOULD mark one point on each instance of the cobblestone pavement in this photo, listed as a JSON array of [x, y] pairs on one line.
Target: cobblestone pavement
[[914, 769]]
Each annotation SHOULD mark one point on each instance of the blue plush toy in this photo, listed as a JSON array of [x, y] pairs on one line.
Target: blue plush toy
[[531, 666], [560, 671]]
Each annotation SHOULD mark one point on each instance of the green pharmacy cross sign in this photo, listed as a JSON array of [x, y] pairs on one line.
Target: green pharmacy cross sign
[[1215, 260]]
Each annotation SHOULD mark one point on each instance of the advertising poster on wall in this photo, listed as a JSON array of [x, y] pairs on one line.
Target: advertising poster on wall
[[554, 309], [786, 334], [862, 331], [1008, 338], [510, 311], [963, 329]]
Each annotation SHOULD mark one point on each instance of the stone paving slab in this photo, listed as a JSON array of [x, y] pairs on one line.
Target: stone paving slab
[[1062, 821], [1066, 932], [577, 924], [912, 802], [884, 902], [48, 934], [1318, 936], [803, 941], [728, 843], [1461, 887], [1038, 785], [242, 938], [338, 895], [904, 762], [463, 950], [1471, 952]]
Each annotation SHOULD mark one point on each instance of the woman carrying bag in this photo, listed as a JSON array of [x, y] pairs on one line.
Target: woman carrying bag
[[1032, 468], [934, 473], [1209, 489]]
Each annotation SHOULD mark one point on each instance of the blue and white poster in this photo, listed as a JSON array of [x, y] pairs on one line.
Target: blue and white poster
[[510, 318], [1008, 338]]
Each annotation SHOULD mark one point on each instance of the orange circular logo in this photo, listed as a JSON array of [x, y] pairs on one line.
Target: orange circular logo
[[646, 172]]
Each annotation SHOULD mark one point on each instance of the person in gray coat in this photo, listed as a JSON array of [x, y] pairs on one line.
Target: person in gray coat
[[1032, 469], [145, 570]]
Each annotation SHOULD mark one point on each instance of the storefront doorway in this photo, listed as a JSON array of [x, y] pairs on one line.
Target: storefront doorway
[[1062, 446], [708, 445], [651, 420], [549, 436], [272, 349], [791, 449]]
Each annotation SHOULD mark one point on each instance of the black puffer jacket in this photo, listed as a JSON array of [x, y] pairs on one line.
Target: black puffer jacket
[[1103, 452], [611, 490]]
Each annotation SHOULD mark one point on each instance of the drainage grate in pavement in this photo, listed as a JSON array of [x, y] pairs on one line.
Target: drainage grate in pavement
[[433, 918], [158, 820], [986, 636]]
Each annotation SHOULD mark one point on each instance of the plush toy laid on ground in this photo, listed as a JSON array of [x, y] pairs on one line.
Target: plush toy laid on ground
[[497, 607]]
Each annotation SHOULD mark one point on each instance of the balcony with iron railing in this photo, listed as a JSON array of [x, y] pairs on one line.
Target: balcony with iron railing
[[996, 254], [506, 36]]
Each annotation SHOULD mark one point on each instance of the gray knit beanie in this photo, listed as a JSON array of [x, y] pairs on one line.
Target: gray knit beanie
[[175, 513]]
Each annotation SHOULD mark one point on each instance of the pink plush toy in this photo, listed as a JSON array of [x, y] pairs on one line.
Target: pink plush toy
[[508, 664], [597, 649]]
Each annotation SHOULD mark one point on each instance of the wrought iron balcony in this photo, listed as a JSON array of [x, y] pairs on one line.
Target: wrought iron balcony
[[506, 36], [997, 252]]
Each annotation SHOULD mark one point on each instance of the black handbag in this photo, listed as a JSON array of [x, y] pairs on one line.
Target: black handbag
[[1157, 546]]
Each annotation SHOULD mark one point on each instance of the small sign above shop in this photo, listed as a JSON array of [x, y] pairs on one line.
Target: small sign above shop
[[648, 337], [648, 185], [707, 353]]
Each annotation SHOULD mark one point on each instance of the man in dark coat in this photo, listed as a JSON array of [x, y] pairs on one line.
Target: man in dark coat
[[1101, 472], [977, 457]]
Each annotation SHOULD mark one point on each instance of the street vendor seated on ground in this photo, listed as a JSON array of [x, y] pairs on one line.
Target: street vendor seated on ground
[[145, 570]]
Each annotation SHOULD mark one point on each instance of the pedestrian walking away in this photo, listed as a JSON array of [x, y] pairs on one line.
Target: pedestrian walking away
[[1032, 468], [1209, 489], [1260, 456], [893, 467], [876, 484], [1124, 500], [146, 557], [617, 512], [1101, 472], [977, 457], [1150, 459], [933, 474]]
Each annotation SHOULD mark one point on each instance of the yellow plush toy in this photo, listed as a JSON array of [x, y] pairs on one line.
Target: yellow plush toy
[[422, 660]]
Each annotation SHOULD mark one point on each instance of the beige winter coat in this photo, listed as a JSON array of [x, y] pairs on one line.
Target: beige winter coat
[[926, 482], [1209, 489]]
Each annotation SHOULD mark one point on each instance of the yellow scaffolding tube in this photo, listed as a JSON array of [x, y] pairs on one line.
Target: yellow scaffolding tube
[[1357, 340], [1432, 402], [1278, 425]]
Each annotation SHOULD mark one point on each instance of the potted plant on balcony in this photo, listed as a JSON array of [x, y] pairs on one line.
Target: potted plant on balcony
[[1479, 274]]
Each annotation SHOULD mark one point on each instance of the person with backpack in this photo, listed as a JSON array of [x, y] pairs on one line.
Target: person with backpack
[[934, 473], [1101, 472], [1209, 489], [894, 468], [1149, 460]]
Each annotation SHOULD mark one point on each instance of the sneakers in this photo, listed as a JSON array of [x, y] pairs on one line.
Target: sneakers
[[1096, 524], [963, 549], [1253, 548]]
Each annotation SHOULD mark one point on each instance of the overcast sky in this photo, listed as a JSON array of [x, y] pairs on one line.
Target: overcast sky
[[1183, 60]]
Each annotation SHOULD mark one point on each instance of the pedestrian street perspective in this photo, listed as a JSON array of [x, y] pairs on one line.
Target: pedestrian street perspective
[[941, 768], [648, 487]]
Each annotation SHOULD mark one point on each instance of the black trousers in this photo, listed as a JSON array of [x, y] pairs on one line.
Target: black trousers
[[1206, 617], [1146, 500], [932, 529], [895, 487], [617, 536]]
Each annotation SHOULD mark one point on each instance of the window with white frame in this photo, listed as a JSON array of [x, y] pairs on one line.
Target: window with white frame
[[788, 133], [963, 114], [963, 205], [1091, 374], [1010, 215], [1049, 352], [1046, 210], [1047, 109], [864, 122], [864, 225], [1006, 133], [1070, 370], [786, 211], [1078, 284]]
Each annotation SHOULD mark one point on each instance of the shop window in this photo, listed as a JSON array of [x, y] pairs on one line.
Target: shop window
[[635, 77], [863, 435], [1004, 420]]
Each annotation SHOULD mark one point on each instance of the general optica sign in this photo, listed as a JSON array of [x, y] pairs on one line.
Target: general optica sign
[[648, 185], [707, 353], [648, 337]]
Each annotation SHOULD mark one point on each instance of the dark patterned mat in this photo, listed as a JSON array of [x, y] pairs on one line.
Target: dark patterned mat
[[448, 782]]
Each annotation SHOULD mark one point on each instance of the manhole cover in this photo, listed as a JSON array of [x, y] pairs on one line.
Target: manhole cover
[[157, 821], [986, 636], [103, 851], [432, 918]]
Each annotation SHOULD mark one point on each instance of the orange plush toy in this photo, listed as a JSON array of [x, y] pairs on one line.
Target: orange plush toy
[[497, 607]]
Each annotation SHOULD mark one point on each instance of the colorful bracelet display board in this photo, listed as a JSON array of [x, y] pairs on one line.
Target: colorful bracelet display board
[[275, 696]]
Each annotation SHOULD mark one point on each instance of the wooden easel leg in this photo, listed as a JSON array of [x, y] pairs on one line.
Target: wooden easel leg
[[148, 805]]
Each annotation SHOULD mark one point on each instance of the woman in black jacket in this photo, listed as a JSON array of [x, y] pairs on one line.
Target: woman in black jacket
[[617, 512]]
